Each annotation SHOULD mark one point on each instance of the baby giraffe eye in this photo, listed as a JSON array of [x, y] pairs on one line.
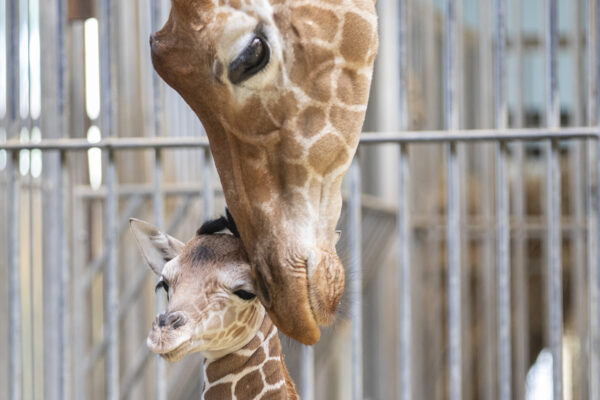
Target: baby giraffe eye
[[253, 59], [244, 295]]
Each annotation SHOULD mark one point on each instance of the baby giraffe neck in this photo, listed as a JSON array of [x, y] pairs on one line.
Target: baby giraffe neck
[[256, 371]]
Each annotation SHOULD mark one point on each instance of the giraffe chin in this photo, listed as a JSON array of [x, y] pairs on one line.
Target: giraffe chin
[[325, 286], [172, 349], [313, 292]]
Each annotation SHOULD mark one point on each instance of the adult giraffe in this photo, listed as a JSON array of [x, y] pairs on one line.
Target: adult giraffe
[[281, 87]]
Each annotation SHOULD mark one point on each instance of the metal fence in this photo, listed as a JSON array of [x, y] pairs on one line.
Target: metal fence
[[80, 302]]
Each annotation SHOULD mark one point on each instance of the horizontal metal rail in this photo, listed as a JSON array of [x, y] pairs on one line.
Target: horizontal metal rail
[[469, 135]]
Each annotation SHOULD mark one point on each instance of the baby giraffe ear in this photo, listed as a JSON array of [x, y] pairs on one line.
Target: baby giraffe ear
[[157, 247]]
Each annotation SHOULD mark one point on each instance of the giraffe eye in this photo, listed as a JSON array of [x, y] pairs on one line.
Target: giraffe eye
[[252, 60], [244, 295]]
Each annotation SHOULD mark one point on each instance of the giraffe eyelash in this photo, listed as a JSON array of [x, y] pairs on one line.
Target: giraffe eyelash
[[162, 284], [244, 294]]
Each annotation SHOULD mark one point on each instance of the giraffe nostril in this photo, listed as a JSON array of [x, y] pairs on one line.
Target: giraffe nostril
[[162, 320], [176, 320]]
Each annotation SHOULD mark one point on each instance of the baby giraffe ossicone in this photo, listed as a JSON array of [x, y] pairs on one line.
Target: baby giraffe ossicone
[[212, 308]]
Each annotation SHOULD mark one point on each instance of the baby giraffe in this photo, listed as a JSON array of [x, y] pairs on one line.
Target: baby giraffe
[[212, 308]]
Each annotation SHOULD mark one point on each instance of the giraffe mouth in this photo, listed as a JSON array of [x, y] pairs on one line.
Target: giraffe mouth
[[176, 354], [303, 295]]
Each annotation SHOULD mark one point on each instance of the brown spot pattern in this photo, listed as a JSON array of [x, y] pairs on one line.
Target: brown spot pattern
[[289, 147], [356, 38], [224, 366], [249, 386], [311, 121], [297, 175], [257, 358], [347, 122], [352, 88], [272, 372], [315, 23], [275, 394], [327, 152], [221, 391]]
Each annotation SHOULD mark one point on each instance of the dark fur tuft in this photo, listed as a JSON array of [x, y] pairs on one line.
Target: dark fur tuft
[[218, 225]]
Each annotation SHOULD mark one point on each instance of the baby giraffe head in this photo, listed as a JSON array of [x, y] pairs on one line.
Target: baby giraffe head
[[212, 306]]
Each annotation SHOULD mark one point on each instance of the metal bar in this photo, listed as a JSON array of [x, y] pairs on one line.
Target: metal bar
[[594, 277], [15, 329], [454, 272], [307, 372], [64, 323], [593, 198], [111, 292], [502, 211], [160, 377], [403, 245], [367, 138], [521, 345], [554, 266], [404, 356], [14, 263], [110, 143], [355, 268], [553, 201], [593, 227], [143, 190], [63, 259], [451, 122], [503, 275]]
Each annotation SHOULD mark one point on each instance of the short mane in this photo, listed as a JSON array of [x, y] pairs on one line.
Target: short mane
[[220, 224]]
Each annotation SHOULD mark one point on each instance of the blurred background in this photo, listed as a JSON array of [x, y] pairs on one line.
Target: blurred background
[[78, 301]]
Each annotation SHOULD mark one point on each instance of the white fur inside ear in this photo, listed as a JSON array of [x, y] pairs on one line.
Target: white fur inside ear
[[156, 247]]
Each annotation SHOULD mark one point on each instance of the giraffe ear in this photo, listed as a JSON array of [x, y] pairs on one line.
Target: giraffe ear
[[338, 235], [157, 247]]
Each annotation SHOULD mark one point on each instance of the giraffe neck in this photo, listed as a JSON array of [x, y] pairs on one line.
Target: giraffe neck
[[256, 371]]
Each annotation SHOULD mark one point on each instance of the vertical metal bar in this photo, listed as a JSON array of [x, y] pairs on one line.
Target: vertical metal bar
[[503, 271], [521, 331], [593, 203], [64, 263], [355, 267], [307, 372], [111, 309], [15, 328], [576, 180], [160, 377], [403, 246], [111, 292], [452, 209], [404, 355], [157, 200], [502, 220], [553, 201]]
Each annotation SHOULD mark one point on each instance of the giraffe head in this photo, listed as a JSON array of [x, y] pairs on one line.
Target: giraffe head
[[212, 306], [281, 88]]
